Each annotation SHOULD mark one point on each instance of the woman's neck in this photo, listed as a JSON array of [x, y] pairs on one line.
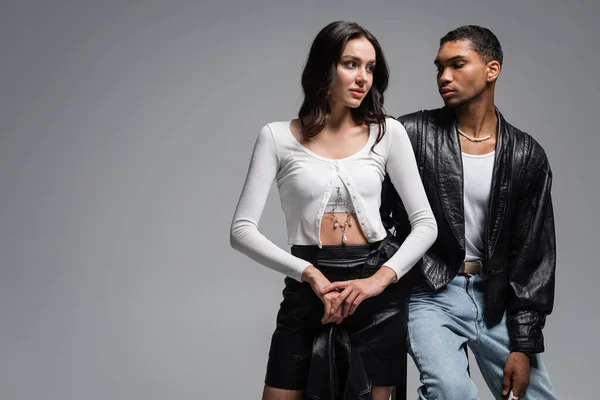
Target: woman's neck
[[340, 119]]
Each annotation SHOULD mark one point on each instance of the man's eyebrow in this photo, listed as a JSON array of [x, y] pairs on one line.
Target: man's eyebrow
[[452, 59]]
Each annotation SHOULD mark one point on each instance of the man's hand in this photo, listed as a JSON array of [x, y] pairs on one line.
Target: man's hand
[[516, 374]]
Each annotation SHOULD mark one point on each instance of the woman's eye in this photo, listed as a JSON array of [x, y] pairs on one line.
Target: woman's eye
[[370, 68], [350, 64]]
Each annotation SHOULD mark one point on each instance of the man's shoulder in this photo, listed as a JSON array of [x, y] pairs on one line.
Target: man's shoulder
[[416, 120], [410, 117], [527, 145], [413, 117]]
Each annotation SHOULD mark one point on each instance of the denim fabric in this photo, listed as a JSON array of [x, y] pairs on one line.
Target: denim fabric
[[441, 322]]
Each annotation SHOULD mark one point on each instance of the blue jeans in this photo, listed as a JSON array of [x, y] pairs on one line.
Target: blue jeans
[[441, 322]]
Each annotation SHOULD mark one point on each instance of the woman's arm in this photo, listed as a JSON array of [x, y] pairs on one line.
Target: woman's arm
[[403, 172], [245, 236]]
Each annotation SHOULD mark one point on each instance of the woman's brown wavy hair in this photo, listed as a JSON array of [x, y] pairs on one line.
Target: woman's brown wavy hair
[[320, 73]]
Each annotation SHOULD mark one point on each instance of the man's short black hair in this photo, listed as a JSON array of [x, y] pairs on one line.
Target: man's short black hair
[[483, 41]]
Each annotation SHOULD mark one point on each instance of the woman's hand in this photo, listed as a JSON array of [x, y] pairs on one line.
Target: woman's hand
[[317, 282], [357, 290], [330, 316]]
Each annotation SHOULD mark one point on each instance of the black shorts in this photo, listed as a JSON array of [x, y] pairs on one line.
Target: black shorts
[[376, 330]]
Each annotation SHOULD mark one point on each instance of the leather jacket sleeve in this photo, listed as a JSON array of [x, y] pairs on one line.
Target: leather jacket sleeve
[[531, 269]]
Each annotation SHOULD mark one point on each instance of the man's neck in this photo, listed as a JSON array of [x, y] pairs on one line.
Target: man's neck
[[478, 117]]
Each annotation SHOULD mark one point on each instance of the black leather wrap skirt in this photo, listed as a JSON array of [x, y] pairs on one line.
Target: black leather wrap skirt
[[332, 362]]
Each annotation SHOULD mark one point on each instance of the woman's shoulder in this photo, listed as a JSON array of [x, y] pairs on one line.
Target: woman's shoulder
[[393, 130], [395, 137], [279, 125], [391, 125], [278, 130], [394, 125]]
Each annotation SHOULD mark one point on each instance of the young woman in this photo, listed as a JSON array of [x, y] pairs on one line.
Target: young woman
[[341, 326]]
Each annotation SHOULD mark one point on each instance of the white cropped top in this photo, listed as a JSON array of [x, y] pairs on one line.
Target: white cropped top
[[305, 182]]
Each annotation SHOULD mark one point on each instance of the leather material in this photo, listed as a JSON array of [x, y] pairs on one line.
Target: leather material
[[520, 248], [340, 362], [336, 369]]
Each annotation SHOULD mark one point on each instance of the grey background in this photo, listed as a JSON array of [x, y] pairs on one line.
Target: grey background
[[126, 130]]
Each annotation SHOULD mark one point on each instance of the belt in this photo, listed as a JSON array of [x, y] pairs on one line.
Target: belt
[[471, 267]]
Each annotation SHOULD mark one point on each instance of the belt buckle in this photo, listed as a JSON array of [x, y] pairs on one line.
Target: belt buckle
[[480, 266], [464, 267]]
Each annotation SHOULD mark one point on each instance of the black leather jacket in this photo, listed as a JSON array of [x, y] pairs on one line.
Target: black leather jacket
[[520, 251]]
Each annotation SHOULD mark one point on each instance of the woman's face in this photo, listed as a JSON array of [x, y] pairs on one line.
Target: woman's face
[[354, 74]]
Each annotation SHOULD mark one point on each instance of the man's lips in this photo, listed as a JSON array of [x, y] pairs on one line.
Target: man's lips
[[446, 91]]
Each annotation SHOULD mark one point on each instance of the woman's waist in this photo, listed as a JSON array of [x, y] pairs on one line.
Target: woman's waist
[[341, 262], [335, 252], [341, 228], [324, 230]]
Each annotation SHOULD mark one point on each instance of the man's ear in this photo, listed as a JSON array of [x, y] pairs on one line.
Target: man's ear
[[493, 70]]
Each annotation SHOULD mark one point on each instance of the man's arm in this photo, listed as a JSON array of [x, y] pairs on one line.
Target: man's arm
[[532, 263]]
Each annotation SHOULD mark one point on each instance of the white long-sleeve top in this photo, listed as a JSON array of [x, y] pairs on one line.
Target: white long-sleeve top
[[305, 181]]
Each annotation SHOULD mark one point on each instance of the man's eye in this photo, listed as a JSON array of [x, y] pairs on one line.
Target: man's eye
[[459, 65]]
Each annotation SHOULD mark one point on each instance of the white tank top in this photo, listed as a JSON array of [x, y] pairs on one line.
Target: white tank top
[[477, 178], [344, 204]]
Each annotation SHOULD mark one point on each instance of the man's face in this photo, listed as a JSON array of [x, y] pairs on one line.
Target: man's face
[[461, 74]]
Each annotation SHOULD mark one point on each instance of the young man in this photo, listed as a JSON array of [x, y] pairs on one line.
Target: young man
[[488, 281]]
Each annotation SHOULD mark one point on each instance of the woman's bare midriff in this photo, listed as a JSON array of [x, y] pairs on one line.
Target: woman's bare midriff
[[331, 236]]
